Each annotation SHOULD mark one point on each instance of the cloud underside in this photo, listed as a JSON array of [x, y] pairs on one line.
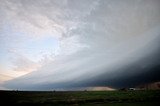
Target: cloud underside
[[102, 42]]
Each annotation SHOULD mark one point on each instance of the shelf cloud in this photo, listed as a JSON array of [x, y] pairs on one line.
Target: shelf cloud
[[84, 43]]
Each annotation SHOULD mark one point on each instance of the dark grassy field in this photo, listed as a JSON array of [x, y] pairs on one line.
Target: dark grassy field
[[80, 98]]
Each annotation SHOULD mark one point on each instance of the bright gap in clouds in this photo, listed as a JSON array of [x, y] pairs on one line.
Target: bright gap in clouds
[[21, 60], [22, 53], [35, 49]]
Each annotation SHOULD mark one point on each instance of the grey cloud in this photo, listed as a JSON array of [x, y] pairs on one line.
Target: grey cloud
[[50, 15], [117, 38]]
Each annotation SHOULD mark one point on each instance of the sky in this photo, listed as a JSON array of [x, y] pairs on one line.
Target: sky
[[63, 44]]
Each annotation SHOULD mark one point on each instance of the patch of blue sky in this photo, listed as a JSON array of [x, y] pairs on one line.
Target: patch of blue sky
[[36, 48], [15, 41]]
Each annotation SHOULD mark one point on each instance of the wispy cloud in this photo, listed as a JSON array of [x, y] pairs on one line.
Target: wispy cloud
[[43, 18], [23, 64]]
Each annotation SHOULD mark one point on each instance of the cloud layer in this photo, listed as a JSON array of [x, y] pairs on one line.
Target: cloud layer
[[98, 40]]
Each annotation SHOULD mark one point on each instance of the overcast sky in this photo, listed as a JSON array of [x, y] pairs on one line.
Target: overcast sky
[[59, 44]]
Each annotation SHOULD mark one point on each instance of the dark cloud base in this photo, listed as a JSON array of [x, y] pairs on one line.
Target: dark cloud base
[[128, 81], [145, 70]]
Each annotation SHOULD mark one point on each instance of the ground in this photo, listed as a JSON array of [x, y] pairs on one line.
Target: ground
[[81, 98]]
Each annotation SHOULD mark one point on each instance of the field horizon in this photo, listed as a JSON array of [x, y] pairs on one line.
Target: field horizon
[[81, 98]]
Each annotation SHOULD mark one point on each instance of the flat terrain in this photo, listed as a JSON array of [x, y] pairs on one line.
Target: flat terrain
[[80, 98]]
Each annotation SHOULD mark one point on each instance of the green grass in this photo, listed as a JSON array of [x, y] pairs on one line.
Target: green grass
[[85, 98]]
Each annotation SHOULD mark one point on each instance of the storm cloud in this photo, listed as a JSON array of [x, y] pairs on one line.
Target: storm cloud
[[101, 42]]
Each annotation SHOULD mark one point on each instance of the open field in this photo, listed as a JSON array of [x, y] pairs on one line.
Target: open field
[[80, 98]]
